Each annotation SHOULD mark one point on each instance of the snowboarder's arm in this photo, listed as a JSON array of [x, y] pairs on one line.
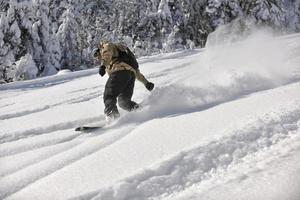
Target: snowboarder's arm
[[102, 70], [141, 78]]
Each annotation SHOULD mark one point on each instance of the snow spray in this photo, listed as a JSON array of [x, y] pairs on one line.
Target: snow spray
[[243, 49]]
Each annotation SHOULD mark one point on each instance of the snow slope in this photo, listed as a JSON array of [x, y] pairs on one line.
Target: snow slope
[[222, 123]]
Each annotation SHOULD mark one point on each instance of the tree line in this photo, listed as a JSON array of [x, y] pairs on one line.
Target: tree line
[[41, 37]]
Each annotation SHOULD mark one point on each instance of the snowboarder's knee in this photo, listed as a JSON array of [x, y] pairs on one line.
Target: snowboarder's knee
[[127, 104], [124, 103]]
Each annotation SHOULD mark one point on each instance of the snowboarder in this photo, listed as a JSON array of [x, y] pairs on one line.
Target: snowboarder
[[122, 67]]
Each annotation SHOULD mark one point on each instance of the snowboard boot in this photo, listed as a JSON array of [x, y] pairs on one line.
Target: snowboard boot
[[136, 108], [110, 117]]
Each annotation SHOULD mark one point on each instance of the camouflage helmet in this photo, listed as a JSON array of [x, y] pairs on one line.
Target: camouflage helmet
[[102, 43]]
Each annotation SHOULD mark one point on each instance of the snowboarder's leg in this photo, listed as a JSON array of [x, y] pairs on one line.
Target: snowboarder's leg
[[124, 99], [111, 93], [111, 109]]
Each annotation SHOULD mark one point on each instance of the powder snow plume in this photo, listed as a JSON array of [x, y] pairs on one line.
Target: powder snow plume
[[241, 50]]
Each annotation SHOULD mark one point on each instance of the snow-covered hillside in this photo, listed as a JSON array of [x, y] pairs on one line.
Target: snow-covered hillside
[[222, 123]]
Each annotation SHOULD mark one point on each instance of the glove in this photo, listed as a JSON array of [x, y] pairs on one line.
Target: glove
[[149, 86], [102, 70]]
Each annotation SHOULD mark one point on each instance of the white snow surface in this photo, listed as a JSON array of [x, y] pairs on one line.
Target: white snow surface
[[222, 123]]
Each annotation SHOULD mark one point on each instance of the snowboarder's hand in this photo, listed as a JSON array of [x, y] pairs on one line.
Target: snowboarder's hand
[[102, 70], [149, 86]]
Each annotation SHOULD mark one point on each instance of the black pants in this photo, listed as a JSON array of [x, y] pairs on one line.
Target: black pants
[[119, 86]]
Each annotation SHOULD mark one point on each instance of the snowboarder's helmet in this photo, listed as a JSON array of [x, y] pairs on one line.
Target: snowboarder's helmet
[[102, 44]]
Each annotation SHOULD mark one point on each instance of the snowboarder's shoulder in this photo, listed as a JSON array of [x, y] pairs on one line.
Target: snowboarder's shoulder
[[121, 47]]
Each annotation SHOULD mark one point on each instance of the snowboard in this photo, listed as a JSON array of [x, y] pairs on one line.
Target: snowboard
[[103, 124], [88, 128], [91, 127]]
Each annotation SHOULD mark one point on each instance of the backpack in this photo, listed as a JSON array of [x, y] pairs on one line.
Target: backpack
[[126, 56]]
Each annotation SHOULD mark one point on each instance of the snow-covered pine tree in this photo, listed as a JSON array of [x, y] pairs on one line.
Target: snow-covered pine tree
[[11, 46], [165, 22], [197, 22], [25, 68], [291, 9], [67, 38], [6, 56], [26, 29], [45, 48], [268, 12], [146, 34], [176, 39]]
